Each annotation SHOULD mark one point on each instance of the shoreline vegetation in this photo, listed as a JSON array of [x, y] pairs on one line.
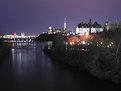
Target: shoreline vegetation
[[4, 50], [100, 61]]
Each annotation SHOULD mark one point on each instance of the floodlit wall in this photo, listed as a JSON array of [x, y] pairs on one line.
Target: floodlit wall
[[82, 31]]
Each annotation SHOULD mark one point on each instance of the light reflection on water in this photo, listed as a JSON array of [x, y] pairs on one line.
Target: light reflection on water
[[22, 56], [28, 59], [23, 51], [28, 69]]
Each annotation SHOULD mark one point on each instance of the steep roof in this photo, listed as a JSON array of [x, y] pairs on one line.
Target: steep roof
[[86, 25]]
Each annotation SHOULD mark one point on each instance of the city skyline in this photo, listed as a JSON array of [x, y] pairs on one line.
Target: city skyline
[[35, 16]]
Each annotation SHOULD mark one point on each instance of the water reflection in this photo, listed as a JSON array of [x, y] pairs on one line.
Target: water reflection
[[20, 45], [23, 51], [22, 56], [28, 69]]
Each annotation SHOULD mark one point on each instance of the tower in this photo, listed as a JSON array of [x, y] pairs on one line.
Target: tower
[[50, 30], [116, 23], [65, 24], [22, 34], [90, 26], [107, 25]]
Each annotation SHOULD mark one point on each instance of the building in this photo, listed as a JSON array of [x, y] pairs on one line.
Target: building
[[54, 30], [85, 28], [106, 25], [112, 26], [65, 24]]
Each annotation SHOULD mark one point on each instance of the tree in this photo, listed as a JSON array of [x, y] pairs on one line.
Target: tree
[[118, 51]]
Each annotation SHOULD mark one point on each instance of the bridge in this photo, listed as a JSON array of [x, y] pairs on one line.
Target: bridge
[[18, 38]]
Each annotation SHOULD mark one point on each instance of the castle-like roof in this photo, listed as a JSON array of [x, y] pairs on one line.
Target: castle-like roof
[[86, 25]]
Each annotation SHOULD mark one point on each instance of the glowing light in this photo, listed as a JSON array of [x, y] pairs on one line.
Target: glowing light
[[108, 46], [88, 44], [72, 43], [101, 42], [83, 49], [112, 43], [66, 43], [43, 32], [83, 42], [87, 33]]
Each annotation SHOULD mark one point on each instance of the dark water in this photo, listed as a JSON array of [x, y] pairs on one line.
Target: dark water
[[28, 69]]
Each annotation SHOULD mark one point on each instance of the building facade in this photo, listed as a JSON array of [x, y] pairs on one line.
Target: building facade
[[84, 28]]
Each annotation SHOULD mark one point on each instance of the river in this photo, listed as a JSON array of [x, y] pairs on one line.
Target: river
[[26, 68]]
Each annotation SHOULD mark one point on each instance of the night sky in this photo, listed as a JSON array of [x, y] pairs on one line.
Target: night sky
[[35, 16]]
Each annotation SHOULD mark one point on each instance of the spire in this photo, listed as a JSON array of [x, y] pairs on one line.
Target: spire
[[116, 23], [107, 25], [90, 25], [65, 25]]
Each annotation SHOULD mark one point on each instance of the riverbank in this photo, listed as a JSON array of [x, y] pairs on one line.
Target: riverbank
[[4, 50], [98, 53], [97, 61]]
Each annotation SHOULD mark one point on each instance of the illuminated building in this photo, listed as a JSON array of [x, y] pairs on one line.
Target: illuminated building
[[23, 35], [50, 30], [65, 24], [112, 26], [84, 28], [107, 26], [54, 30]]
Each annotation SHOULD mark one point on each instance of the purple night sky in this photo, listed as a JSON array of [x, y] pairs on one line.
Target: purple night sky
[[35, 16]]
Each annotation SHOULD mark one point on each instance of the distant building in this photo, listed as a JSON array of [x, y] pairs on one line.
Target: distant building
[[106, 26], [65, 24], [84, 28], [54, 30], [23, 34], [50, 30], [112, 26]]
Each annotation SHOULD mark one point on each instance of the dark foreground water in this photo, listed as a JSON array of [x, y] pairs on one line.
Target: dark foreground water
[[28, 69]]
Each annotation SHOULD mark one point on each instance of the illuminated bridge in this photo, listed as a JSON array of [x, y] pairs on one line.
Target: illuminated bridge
[[18, 38]]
